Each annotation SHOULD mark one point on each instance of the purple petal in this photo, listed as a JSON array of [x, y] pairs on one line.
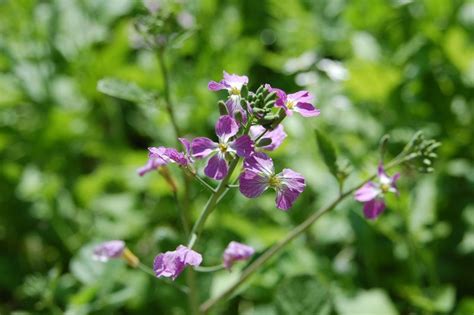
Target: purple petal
[[202, 147], [236, 251], [216, 167], [235, 80], [292, 185], [306, 109], [300, 96], [260, 163], [151, 165], [394, 182], [172, 263], [216, 86], [233, 107], [188, 150], [109, 250], [252, 184], [243, 145], [373, 208], [276, 136], [226, 127], [367, 192]]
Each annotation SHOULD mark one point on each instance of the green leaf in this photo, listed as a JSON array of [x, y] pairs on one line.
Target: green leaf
[[124, 90], [328, 152], [302, 294]]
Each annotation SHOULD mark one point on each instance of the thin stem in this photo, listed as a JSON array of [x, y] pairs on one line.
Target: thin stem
[[277, 247], [150, 272], [167, 92], [211, 203], [209, 268], [202, 182], [182, 214]]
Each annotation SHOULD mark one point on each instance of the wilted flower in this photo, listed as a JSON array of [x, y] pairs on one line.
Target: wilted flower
[[297, 102], [259, 175], [159, 156], [372, 194], [108, 250], [172, 263], [233, 83], [226, 128], [276, 136], [236, 251]]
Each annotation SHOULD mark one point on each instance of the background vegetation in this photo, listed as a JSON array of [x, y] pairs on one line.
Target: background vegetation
[[69, 154]]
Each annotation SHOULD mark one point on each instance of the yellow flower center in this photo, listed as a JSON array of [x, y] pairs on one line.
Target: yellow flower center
[[290, 104], [385, 187], [274, 181], [223, 147], [234, 91]]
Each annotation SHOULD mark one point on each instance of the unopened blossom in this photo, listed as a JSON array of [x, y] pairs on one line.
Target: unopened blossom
[[109, 250], [259, 175], [299, 102], [172, 263], [226, 130], [233, 83], [236, 251], [276, 136], [372, 193]]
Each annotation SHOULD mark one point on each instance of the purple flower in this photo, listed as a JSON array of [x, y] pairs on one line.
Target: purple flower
[[276, 135], [108, 250], [236, 251], [372, 194], [299, 102], [233, 83], [226, 129], [259, 175], [172, 263], [160, 156]]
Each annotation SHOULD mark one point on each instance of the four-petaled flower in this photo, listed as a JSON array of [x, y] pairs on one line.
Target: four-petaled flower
[[108, 250], [299, 102], [172, 263], [276, 136], [259, 175], [372, 193], [236, 251], [233, 83], [226, 129]]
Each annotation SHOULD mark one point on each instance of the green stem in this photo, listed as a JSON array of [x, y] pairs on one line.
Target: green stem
[[277, 247], [211, 204]]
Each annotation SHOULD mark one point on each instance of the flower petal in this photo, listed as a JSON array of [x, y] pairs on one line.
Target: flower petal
[[108, 250], [367, 192], [306, 109], [216, 86], [260, 163], [252, 184], [292, 185], [151, 165], [202, 147], [243, 145], [236, 251], [226, 127], [216, 167], [235, 80], [300, 96], [373, 208], [285, 198], [276, 135]]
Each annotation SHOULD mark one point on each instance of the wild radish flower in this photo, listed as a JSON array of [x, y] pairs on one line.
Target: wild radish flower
[[299, 102], [236, 251], [172, 263], [259, 175], [159, 156], [109, 250], [233, 83], [372, 193], [226, 129], [276, 136]]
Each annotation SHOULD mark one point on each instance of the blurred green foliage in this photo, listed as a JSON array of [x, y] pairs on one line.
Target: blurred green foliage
[[69, 153]]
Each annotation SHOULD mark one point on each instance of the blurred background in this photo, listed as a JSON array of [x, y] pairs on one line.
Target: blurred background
[[69, 153]]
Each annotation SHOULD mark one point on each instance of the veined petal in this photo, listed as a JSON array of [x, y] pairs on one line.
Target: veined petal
[[276, 135], [393, 185], [243, 145], [306, 109], [236, 81], [151, 165], [236, 251], [252, 184], [291, 186], [233, 107], [217, 86], [367, 192], [300, 96], [226, 127], [216, 167], [373, 208], [259, 162], [281, 96], [202, 147], [285, 198]]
